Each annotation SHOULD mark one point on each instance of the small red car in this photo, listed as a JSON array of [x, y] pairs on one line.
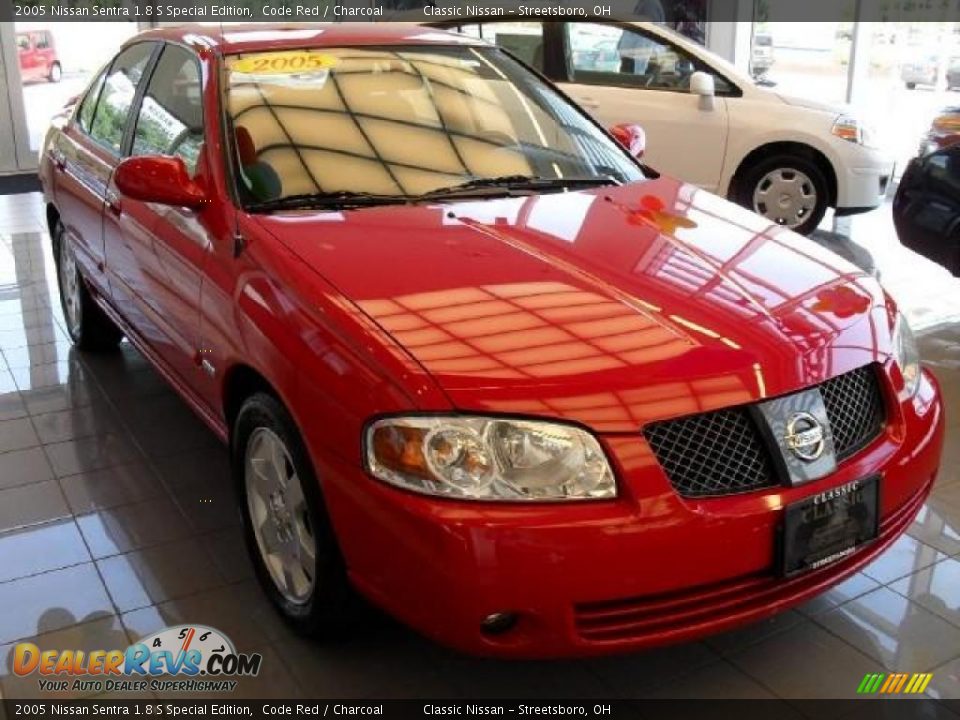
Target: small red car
[[37, 56], [472, 358]]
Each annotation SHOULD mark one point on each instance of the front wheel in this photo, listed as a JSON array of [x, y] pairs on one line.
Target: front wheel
[[55, 73], [911, 86], [788, 190], [286, 526], [88, 326]]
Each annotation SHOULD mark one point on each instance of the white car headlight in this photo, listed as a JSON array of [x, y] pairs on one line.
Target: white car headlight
[[850, 128], [907, 355], [492, 459]]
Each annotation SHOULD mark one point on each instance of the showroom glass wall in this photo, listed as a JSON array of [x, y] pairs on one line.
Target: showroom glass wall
[[46, 64], [894, 74]]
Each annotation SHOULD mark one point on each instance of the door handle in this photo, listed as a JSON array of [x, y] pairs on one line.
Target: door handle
[[113, 203]]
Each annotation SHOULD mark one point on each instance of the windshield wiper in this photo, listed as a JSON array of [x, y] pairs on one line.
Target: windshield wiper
[[339, 200], [507, 183]]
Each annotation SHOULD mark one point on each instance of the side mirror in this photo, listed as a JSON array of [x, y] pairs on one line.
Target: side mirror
[[158, 179], [632, 137], [703, 84]]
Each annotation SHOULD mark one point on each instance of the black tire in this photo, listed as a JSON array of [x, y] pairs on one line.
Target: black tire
[[55, 73], [911, 86], [331, 607], [752, 176], [95, 331]]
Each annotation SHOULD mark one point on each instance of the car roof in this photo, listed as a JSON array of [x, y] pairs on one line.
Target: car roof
[[252, 37]]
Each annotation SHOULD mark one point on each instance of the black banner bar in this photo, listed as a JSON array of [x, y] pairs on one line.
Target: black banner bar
[[892, 709], [669, 11]]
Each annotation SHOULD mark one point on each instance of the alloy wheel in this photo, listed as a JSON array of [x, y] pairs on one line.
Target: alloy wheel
[[279, 516], [786, 196], [70, 289]]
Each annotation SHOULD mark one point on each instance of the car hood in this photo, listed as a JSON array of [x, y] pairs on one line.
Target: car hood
[[809, 104], [608, 307]]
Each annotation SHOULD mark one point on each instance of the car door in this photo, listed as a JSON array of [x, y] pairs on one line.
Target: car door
[[927, 207], [82, 167], [160, 249], [647, 82], [109, 131]]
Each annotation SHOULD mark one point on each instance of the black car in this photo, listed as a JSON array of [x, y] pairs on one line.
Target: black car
[[926, 209]]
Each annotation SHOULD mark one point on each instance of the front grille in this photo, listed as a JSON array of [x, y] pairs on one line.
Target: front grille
[[855, 409], [716, 453], [724, 453]]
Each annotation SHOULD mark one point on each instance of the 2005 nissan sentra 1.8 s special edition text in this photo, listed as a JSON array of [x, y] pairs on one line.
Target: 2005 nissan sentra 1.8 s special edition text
[[472, 359]]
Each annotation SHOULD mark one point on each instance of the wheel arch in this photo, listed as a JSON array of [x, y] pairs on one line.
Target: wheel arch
[[789, 147], [240, 382]]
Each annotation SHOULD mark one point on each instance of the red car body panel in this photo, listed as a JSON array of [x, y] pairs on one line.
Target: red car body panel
[[609, 308]]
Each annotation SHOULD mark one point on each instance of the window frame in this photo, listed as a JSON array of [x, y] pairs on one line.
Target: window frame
[[135, 103], [552, 32], [141, 93], [698, 64]]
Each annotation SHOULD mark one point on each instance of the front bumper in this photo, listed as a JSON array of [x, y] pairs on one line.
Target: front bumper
[[648, 569], [863, 177]]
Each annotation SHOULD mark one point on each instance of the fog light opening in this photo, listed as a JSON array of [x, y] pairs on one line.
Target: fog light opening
[[498, 623]]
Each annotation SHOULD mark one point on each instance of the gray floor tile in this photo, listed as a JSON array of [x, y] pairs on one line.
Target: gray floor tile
[[76, 423], [938, 525], [55, 352], [157, 574], [735, 640], [118, 530], [937, 588], [91, 453], [905, 556], [11, 405], [631, 676], [21, 467], [54, 398], [17, 435], [718, 681], [894, 631], [51, 601], [111, 487], [40, 548], [854, 586], [805, 662], [945, 683], [26, 505]]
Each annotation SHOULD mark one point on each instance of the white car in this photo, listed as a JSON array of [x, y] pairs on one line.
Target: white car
[[706, 122]]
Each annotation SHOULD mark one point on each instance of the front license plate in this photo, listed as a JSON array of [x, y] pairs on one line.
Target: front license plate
[[830, 525]]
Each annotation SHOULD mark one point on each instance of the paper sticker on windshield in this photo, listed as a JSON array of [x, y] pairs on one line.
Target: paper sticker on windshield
[[292, 62]]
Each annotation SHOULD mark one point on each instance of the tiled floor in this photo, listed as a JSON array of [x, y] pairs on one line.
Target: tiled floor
[[116, 520]]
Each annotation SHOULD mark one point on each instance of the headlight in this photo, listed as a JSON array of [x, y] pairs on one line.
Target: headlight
[[493, 459], [907, 355], [849, 128]]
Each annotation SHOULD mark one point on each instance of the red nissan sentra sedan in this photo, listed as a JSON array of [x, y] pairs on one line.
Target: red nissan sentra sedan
[[472, 359]]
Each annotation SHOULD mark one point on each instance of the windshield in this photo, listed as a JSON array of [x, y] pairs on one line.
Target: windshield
[[403, 122]]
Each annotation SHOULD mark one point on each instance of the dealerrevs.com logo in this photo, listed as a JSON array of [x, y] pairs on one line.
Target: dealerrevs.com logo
[[183, 658]]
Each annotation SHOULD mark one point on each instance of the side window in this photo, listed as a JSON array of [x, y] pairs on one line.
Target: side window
[[42, 41], [523, 39], [171, 115], [89, 104], [116, 97], [602, 54], [23, 42], [944, 168]]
